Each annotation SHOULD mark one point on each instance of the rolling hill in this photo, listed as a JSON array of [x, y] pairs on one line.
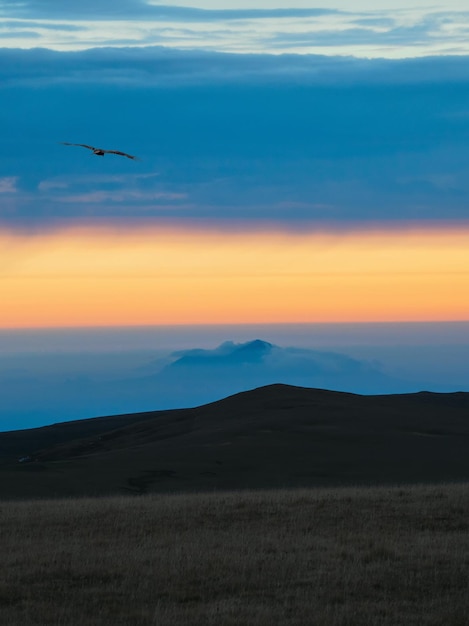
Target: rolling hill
[[274, 436]]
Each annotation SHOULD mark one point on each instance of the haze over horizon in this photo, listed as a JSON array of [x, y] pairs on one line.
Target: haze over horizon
[[55, 375]]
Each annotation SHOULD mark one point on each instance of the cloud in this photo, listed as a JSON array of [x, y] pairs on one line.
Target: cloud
[[39, 24], [20, 34], [48, 185], [112, 180], [370, 22], [159, 66], [100, 197], [386, 32], [8, 184], [288, 138], [411, 36], [93, 23], [138, 9]]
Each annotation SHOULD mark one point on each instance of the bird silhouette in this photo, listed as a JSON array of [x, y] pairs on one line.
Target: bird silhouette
[[100, 151]]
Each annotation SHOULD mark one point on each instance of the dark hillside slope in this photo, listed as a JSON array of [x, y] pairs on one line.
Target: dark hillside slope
[[275, 436]]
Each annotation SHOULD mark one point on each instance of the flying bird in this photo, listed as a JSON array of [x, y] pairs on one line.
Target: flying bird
[[100, 151]]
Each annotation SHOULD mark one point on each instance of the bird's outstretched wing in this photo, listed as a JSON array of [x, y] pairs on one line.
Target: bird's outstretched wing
[[101, 151], [81, 145], [129, 156]]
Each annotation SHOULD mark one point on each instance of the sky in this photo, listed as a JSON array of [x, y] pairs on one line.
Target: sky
[[300, 163]]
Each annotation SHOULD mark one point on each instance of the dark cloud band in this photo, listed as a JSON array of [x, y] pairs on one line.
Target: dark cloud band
[[249, 138], [158, 66], [138, 9]]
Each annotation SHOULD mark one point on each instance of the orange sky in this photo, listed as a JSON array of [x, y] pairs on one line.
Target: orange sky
[[168, 275]]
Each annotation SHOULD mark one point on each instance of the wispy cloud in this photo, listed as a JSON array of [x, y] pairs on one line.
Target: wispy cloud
[[8, 184], [126, 195], [19, 34], [48, 185], [39, 24], [388, 32], [432, 31]]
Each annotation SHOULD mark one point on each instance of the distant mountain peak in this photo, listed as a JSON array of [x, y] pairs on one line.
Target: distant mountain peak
[[227, 353], [257, 345]]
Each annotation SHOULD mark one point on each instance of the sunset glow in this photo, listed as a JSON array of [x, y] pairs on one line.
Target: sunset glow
[[169, 275]]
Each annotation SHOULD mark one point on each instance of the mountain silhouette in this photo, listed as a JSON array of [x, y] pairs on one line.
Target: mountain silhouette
[[80, 387], [270, 437]]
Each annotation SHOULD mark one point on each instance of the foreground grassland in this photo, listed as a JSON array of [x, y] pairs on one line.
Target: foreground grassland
[[378, 556]]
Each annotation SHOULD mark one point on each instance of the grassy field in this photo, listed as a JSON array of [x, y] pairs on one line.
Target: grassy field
[[348, 556]]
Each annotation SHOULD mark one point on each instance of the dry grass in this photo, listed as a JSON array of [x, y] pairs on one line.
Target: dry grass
[[377, 556]]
